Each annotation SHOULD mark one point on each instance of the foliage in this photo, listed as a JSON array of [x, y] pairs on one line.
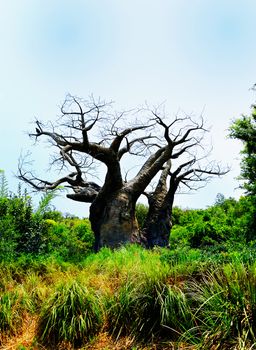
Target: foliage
[[45, 202], [227, 220], [200, 293], [244, 129], [225, 304], [141, 213], [43, 231], [149, 309], [70, 239], [7, 317], [13, 305]]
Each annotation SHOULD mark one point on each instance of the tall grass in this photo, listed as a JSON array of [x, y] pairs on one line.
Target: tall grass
[[9, 317], [225, 311], [72, 314], [175, 310], [157, 296], [13, 306], [149, 310]]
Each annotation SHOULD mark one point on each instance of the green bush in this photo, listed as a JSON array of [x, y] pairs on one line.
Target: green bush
[[23, 229], [8, 239], [226, 221], [70, 239]]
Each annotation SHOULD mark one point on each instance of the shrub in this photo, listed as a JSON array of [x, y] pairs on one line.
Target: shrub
[[83, 232], [8, 239], [70, 239]]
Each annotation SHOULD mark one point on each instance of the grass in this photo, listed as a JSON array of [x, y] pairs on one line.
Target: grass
[[226, 304], [170, 299], [8, 312], [71, 314]]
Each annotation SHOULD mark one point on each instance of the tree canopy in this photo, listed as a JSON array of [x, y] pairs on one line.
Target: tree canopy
[[244, 129]]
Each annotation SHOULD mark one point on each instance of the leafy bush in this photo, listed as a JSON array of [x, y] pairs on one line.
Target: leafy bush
[[227, 220], [20, 228], [70, 239], [8, 239], [39, 232]]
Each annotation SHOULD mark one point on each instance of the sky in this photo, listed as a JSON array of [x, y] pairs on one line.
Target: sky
[[198, 56]]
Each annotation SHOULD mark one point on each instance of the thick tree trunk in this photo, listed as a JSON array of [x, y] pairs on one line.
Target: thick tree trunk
[[113, 220], [158, 224]]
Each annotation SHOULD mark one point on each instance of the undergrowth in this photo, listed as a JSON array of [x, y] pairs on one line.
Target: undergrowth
[[160, 296]]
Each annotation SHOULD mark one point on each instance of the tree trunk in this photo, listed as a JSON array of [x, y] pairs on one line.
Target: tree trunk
[[113, 220], [158, 224]]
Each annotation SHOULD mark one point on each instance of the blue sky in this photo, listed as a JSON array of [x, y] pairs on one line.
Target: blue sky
[[196, 55]]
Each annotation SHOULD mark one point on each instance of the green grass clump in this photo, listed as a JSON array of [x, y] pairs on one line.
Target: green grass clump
[[148, 310], [175, 310], [13, 305], [226, 306], [72, 314], [8, 311]]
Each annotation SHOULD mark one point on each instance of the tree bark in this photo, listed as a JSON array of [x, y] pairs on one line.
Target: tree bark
[[158, 223], [113, 220]]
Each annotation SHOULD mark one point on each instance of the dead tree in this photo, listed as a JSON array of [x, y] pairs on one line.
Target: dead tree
[[88, 135]]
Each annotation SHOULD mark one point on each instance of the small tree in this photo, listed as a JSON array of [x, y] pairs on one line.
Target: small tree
[[88, 134], [244, 129]]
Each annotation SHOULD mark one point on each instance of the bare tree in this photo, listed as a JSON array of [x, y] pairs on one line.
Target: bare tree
[[88, 134]]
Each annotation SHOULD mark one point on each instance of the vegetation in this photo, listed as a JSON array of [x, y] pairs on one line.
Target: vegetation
[[72, 313], [187, 300], [56, 293], [244, 129]]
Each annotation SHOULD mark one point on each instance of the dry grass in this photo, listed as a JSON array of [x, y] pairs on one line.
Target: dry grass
[[25, 337]]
